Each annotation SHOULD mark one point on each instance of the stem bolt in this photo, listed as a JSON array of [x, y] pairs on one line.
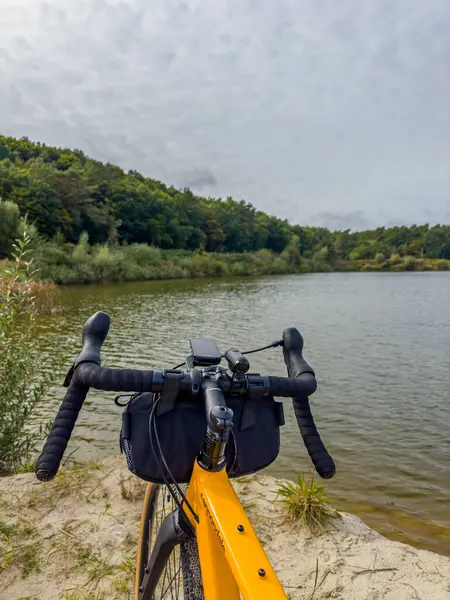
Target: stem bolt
[[240, 528], [261, 573]]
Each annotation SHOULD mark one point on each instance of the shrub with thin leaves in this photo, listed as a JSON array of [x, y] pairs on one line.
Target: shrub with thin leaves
[[24, 375], [306, 503]]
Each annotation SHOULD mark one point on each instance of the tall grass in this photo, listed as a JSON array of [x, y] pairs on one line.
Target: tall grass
[[395, 263], [23, 378], [305, 502], [88, 264], [84, 263]]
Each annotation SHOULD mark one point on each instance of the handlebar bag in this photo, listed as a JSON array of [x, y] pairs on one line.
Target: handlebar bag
[[253, 444]]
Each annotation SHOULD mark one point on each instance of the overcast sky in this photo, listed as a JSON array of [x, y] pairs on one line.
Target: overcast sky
[[325, 112]]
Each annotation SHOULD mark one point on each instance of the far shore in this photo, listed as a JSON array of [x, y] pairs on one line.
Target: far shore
[[117, 265]]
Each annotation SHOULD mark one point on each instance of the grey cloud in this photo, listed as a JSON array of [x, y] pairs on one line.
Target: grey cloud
[[341, 221], [199, 178], [335, 114]]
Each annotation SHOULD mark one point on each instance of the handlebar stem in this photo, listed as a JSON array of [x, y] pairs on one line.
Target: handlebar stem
[[219, 421]]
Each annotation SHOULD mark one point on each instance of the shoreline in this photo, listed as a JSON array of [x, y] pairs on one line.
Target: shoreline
[[64, 265], [221, 267], [80, 530]]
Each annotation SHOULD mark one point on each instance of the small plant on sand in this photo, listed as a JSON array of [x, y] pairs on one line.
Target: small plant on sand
[[306, 503]]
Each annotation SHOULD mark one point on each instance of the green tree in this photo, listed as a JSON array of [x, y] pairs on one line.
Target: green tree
[[437, 242], [9, 226], [65, 193]]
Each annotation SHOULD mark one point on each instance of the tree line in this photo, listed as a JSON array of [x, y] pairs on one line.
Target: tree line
[[66, 193]]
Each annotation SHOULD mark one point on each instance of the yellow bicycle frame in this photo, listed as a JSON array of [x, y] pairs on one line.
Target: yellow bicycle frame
[[233, 562]]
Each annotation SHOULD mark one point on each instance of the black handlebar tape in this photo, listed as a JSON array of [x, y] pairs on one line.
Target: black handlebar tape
[[285, 387], [55, 445], [322, 461], [297, 368], [117, 380]]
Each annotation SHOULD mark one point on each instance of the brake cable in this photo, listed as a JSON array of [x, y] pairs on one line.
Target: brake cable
[[275, 344]]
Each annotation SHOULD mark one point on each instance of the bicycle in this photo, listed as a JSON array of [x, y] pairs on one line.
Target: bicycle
[[195, 540]]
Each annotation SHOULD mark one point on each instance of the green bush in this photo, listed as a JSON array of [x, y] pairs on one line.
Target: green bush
[[409, 263], [142, 254], [25, 376], [81, 251], [443, 265]]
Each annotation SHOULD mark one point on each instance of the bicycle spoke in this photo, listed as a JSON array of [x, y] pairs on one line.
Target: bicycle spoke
[[169, 586]]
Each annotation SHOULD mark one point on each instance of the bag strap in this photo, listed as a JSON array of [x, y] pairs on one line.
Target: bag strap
[[170, 391], [249, 414]]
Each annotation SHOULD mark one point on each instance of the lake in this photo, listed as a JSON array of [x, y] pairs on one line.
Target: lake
[[380, 346]]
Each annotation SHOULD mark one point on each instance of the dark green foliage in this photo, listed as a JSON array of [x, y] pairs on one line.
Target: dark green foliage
[[65, 193], [9, 225]]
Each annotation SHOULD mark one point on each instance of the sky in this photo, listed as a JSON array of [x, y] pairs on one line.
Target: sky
[[324, 112]]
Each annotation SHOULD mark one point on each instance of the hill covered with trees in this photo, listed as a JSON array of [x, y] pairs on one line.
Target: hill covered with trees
[[73, 199]]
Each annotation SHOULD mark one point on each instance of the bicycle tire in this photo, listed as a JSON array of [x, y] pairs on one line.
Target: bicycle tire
[[181, 577]]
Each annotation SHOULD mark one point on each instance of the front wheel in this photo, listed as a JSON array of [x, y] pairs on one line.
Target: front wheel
[[181, 576]]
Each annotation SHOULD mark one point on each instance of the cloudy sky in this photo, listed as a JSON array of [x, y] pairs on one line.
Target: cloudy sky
[[321, 111]]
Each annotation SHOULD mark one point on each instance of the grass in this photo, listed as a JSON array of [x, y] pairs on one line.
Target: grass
[[395, 263], [305, 503], [73, 480], [94, 566], [131, 489], [85, 263], [74, 595], [97, 569], [108, 264], [26, 467], [43, 294], [18, 547]]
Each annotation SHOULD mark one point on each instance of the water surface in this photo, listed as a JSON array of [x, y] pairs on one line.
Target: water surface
[[380, 345]]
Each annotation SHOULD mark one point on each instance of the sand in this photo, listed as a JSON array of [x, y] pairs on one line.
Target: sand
[[75, 538]]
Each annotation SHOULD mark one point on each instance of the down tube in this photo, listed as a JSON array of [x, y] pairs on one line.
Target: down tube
[[232, 560]]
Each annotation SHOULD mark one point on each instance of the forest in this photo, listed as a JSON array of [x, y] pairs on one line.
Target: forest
[[83, 208]]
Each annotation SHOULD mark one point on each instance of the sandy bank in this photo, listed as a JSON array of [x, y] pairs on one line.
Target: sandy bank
[[75, 538]]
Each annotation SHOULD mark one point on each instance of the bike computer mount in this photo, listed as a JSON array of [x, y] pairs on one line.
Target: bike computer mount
[[206, 353]]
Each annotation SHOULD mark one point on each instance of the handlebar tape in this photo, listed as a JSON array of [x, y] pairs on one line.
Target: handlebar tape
[[124, 380], [48, 462], [283, 387], [322, 461], [95, 331], [86, 375], [298, 367]]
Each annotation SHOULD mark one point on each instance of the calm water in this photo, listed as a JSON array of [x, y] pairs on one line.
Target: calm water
[[380, 345]]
